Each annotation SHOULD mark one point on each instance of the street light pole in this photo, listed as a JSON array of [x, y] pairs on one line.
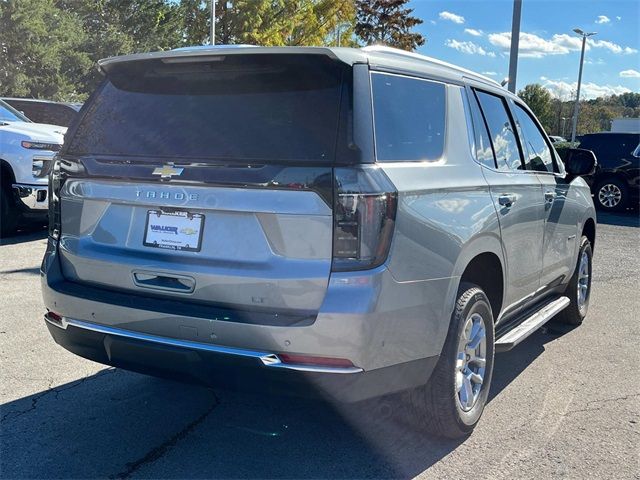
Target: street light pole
[[576, 107], [339, 28], [212, 40], [515, 40]]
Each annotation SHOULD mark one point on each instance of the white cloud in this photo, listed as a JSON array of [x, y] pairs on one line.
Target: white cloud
[[493, 74], [531, 45], [432, 22], [613, 47], [603, 19], [618, 18], [630, 73], [469, 48], [534, 46], [452, 17], [474, 32], [567, 91]]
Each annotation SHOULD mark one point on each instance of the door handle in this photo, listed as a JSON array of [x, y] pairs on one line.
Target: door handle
[[160, 281], [549, 196], [507, 199]]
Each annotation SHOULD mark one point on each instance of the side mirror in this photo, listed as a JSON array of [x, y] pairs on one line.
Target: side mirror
[[579, 162]]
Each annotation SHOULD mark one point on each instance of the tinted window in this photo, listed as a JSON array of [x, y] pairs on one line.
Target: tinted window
[[611, 144], [502, 133], [484, 150], [42, 112], [261, 108], [536, 150], [9, 114], [409, 118]]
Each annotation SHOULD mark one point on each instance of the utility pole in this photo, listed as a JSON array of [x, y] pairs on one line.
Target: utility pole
[[576, 108], [515, 41], [339, 31], [212, 40]]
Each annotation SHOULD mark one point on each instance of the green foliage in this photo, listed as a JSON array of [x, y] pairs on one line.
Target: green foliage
[[49, 48], [387, 22], [41, 50], [539, 101], [562, 147], [595, 115]]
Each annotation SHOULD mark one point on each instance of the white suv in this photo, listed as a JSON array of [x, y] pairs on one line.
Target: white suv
[[26, 149]]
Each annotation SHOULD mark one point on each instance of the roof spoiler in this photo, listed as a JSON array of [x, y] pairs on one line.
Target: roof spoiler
[[207, 53]]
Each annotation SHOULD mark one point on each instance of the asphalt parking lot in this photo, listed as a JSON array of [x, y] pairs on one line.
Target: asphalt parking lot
[[566, 403]]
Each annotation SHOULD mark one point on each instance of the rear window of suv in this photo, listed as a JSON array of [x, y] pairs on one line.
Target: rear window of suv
[[262, 108], [409, 118]]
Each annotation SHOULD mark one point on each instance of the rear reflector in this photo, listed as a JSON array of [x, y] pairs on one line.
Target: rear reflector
[[53, 317], [311, 360]]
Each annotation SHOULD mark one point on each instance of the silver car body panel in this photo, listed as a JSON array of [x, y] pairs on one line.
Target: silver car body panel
[[275, 251]]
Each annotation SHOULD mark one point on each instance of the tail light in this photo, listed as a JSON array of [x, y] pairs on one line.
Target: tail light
[[55, 184], [365, 203]]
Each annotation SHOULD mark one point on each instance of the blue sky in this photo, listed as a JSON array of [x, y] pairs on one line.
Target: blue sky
[[475, 34]]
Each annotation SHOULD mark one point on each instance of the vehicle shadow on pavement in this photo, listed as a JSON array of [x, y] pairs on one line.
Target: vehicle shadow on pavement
[[508, 365], [629, 218], [27, 234], [119, 424]]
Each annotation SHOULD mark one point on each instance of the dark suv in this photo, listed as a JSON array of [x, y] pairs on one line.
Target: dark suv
[[616, 183]]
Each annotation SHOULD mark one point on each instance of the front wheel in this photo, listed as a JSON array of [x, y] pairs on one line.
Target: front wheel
[[453, 401], [579, 288], [8, 213]]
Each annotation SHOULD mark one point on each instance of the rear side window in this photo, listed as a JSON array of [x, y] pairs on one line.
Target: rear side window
[[484, 150], [409, 118], [536, 150], [503, 137], [238, 108]]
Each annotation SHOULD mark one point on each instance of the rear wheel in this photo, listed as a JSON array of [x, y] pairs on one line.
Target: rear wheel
[[8, 213], [611, 194], [579, 288], [453, 401]]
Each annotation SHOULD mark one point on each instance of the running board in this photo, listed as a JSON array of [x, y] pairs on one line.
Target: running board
[[531, 324]]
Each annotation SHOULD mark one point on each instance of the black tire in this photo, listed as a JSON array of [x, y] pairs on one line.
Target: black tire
[[574, 314], [8, 213], [438, 402], [611, 186]]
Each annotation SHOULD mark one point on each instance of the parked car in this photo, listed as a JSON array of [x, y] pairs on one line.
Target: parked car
[[46, 111], [356, 222], [616, 183], [26, 150], [557, 139]]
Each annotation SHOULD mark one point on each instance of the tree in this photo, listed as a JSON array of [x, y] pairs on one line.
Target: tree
[[539, 101], [387, 22], [42, 51], [268, 22]]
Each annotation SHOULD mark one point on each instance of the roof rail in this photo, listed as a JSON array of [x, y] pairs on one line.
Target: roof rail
[[426, 59]]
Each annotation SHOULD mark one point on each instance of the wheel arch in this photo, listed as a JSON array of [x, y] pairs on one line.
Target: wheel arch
[[481, 262], [6, 173]]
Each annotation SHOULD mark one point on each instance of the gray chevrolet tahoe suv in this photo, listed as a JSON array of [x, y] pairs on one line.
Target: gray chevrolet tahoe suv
[[345, 222]]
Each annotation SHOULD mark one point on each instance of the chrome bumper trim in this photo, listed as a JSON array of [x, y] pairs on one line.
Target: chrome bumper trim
[[270, 360], [31, 196]]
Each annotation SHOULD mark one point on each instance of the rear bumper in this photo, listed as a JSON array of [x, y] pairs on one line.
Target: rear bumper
[[392, 333], [228, 368]]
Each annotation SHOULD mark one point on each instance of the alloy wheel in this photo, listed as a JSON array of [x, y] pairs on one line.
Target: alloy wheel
[[583, 281], [471, 362], [609, 195]]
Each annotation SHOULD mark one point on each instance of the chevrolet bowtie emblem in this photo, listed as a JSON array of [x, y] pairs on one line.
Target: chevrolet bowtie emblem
[[167, 171]]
